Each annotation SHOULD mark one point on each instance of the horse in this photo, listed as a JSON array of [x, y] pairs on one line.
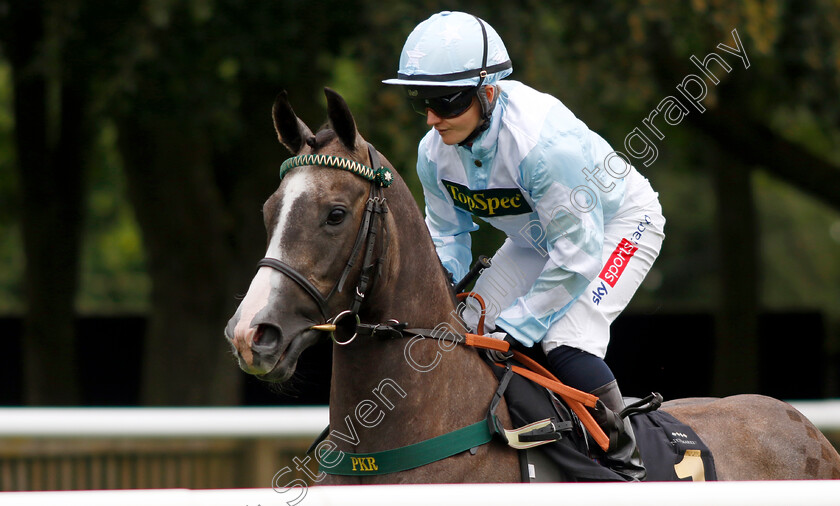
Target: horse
[[389, 393]]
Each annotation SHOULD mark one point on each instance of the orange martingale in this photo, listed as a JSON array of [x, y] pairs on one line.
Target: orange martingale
[[576, 399]]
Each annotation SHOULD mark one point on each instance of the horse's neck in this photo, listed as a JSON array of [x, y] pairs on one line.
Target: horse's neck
[[420, 388], [419, 296], [397, 392], [412, 288]]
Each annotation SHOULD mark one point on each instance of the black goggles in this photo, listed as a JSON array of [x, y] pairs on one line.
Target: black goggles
[[447, 106]]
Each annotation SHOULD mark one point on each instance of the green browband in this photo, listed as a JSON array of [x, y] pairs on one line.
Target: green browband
[[381, 175], [407, 457]]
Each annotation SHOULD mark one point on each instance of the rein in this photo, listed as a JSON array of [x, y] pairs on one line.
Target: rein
[[577, 400], [478, 433]]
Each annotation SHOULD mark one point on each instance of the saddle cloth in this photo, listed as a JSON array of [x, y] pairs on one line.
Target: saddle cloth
[[670, 449]]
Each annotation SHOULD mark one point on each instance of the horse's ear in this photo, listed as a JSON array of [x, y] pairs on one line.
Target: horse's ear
[[341, 119], [291, 131]]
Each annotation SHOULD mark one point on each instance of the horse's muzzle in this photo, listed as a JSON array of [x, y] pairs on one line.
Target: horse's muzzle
[[257, 347], [265, 350]]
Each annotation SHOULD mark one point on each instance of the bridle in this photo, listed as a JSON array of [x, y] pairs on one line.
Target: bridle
[[380, 177]]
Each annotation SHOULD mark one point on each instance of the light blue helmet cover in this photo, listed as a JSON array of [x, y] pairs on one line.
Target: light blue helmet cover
[[448, 49]]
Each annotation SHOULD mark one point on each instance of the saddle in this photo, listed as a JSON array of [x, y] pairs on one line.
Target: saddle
[[553, 442], [670, 449]]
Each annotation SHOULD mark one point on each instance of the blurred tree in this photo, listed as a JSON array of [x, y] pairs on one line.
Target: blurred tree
[[771, 38], [50, 105], [11, 249], [184, 88], [113, 278], [200, 154], [189, 85]]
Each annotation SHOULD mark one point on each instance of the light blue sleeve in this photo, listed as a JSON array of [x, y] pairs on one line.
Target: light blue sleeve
[[448, 225], [572, 223]]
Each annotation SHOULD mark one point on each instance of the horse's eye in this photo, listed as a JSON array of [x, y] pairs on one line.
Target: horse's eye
[[336, 216]]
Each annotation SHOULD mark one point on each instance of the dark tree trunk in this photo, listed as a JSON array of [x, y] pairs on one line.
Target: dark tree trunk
[[736, 337], [249, 173], [51, 176], [185, 230]]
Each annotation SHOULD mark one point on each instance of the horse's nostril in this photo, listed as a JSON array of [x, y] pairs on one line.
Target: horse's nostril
[[267, 338]]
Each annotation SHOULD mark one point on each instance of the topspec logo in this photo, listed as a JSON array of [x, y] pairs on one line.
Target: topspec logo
[[618, 262], [488, 203]]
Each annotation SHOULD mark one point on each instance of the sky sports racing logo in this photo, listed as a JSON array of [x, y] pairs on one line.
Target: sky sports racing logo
[[618, 262]]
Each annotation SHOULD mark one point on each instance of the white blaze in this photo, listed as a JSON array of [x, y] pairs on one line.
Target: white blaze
[[296, 185], [258, 293]]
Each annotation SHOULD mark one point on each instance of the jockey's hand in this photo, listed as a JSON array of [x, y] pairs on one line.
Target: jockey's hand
[[502, 356]]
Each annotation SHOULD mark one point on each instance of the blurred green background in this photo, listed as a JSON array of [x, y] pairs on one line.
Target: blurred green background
[[136, 150]]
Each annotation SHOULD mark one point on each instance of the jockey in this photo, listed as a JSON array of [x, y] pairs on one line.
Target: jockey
[[583, 226]]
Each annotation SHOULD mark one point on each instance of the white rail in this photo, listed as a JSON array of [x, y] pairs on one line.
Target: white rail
[[227, 422], [162, 422], [783, 493], [248, 423], [824, 414]]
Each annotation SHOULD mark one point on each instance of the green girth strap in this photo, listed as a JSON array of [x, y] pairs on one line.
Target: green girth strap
[[407, 457], [418, 454]]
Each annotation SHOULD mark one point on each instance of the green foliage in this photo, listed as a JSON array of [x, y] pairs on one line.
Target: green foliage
[[801, 260], [11, 243], [349, 79], [113, 271], [113, 277], [603, 59]]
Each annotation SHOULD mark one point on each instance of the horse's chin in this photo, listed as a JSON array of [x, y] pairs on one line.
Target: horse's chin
[[286, 364]]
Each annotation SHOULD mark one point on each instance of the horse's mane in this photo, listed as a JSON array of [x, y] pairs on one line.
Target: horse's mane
[[321, 138]]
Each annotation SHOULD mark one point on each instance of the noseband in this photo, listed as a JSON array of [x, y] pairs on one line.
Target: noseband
[[379, 177]]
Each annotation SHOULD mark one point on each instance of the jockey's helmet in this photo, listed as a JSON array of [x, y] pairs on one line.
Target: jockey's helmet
[[451, 51]]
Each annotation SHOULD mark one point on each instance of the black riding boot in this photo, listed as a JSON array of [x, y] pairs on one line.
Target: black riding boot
[[623, 455]]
